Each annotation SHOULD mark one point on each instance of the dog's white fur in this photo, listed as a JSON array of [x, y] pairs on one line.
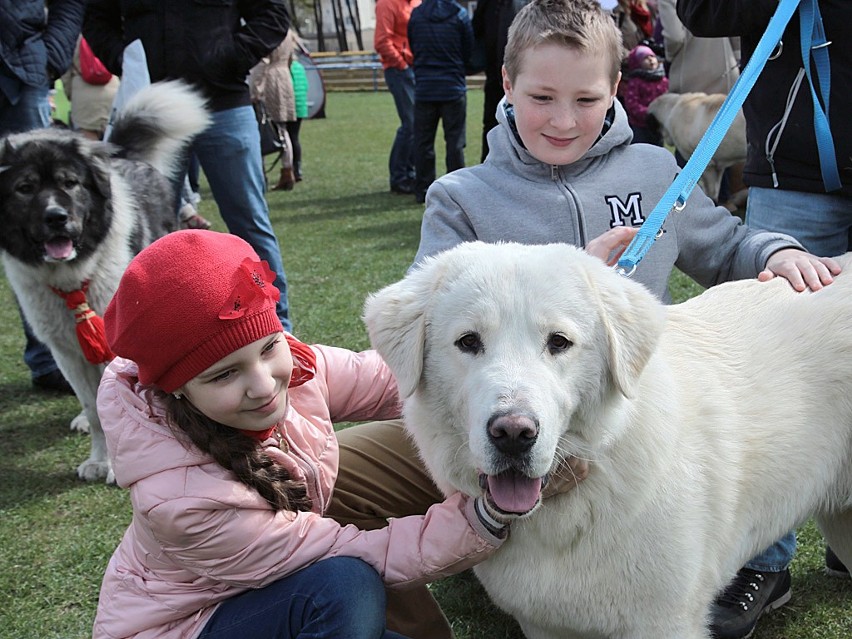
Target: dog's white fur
[[712, 427], [685, 117]]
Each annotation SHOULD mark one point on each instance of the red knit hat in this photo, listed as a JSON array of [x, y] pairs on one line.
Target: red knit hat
[[188, 300]]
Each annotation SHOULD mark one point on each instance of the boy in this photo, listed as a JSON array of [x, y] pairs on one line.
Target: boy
[[561, 167]]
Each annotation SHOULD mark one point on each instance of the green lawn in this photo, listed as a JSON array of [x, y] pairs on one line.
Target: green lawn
[[343, 235]]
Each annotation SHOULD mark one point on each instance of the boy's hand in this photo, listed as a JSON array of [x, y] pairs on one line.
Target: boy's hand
[[611, 245], [801, 269]]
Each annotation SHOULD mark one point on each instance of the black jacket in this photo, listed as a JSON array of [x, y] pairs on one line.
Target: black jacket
[[796, 158], [36, 47], [441, 39], [210, 43]]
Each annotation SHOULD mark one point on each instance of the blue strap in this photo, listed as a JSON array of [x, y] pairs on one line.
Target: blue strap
[[674, 199], [815, 46]]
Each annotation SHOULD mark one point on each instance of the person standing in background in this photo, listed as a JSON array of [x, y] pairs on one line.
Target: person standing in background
[[300, 91], [36, 47], [212, 46], [272, 84], [391, 43], [441, 40], [491, 20]]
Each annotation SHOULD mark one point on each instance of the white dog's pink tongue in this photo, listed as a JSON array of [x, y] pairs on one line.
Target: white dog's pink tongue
[[59, 249], [513, 492]]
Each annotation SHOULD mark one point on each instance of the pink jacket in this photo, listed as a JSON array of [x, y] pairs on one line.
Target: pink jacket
[[198, 536]]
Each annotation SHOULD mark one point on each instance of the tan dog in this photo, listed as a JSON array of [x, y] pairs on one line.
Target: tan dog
[[685, 117], [712, 426]]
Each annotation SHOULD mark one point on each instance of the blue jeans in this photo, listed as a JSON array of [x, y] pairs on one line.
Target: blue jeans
[[229, 152], [822, 223], [32, 111], [401, 162], [452, 114], [337, 598]]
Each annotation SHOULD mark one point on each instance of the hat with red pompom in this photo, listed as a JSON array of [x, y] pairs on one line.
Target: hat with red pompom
[[188, 300]]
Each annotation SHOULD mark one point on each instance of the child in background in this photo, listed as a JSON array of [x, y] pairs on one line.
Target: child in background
[[220, 424], [646, 80], [300, 92]]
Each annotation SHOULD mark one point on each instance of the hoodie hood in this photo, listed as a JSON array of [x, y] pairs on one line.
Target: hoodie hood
[[440, 10], [139, 440], [615, 132]]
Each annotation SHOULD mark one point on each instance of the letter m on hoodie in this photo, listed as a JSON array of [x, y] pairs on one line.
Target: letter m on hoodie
[[622, 212]]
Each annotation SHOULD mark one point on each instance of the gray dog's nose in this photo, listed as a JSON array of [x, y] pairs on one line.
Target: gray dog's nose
[[55, 216], [512, 434]]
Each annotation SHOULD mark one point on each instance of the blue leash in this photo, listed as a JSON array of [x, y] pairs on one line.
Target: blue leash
[[813, 42]]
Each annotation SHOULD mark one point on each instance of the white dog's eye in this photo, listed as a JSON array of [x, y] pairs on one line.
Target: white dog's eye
[[470, 343], [557, 343]]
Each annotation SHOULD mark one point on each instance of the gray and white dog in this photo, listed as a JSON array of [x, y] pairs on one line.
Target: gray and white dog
[[74, 212]]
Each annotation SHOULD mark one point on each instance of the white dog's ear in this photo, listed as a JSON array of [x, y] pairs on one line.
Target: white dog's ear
[[633, 319], [396, 323]]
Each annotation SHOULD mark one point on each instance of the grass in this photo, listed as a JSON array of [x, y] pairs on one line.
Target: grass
[[342, 236]]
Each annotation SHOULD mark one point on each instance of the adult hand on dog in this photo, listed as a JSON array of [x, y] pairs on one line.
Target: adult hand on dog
[[568, 475], [801, 269], [611, 245]]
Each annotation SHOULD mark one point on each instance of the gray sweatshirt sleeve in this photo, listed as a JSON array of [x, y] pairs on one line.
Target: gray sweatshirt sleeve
[[444, 225], [715, 246]]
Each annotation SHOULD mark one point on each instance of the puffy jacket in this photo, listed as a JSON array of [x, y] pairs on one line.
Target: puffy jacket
[[212, 45], [796, 160], [199, 536], [441, 38], [36, 45], [391, 36]]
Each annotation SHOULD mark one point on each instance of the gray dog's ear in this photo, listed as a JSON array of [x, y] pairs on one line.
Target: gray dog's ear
[[633, 319]]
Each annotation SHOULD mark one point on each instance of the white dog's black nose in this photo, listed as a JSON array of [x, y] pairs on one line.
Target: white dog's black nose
[[512, 434]]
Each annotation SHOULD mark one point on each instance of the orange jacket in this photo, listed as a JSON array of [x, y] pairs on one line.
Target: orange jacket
[[391, 39]]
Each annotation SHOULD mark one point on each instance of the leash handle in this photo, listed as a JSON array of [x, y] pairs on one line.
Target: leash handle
[[675, 197]]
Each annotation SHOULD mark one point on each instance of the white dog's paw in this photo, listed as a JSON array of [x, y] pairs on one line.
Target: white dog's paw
[[95, 470], [110, 479], [80, 424]]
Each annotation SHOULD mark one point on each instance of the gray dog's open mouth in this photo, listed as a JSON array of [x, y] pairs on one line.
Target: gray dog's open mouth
[[59, 248], [513, 492]]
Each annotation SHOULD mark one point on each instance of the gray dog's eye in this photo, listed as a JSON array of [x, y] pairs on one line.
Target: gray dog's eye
[[470, 343], [557, 343]]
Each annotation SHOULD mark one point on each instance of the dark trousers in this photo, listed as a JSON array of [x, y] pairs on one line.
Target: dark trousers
[[452, 115]]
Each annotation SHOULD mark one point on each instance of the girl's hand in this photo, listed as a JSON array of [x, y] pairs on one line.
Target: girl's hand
[[611, 245], [801, 269]]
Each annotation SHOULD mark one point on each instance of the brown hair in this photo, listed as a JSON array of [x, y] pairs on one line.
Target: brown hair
[[238, 453], [576, 24]]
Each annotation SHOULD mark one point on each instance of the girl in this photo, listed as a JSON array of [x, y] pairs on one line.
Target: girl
[[646, 81], [221, 426]]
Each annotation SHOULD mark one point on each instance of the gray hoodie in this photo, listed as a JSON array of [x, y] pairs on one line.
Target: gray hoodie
[[514, 197]]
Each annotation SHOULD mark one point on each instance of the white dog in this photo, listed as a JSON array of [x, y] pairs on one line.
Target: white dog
[[712, 427], [685, 117]]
